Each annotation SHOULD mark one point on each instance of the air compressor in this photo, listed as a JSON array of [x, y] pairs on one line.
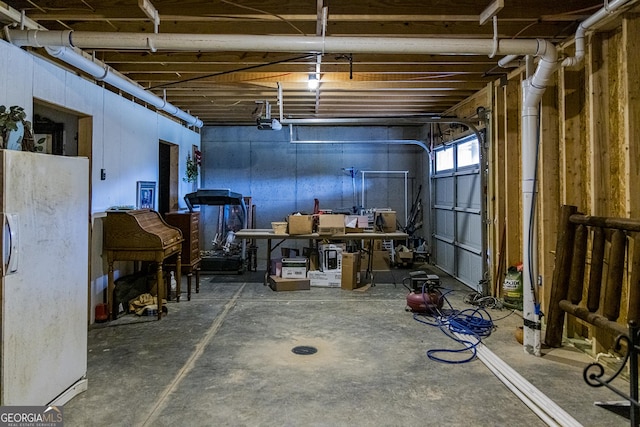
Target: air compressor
[[424, 292]]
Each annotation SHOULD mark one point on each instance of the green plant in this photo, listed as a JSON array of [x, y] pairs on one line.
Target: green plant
[[9, 119], [191, 174]]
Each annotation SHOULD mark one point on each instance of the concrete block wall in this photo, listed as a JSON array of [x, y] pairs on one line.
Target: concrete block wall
[[284, 177]]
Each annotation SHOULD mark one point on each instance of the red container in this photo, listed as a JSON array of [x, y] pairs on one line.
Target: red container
[[429, 302], [101, 313]]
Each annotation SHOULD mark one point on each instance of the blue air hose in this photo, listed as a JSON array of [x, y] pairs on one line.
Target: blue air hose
[[475, 322]]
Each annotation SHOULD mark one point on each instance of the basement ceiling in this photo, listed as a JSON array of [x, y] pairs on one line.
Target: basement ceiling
[[223, 87]]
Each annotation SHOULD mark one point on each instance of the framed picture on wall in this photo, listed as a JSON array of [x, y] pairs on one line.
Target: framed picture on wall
[[146, 195]]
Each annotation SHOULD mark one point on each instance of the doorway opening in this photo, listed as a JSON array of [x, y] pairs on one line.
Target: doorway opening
[[167, 177]]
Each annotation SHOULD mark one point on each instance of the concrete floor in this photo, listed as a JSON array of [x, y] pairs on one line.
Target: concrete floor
[[224, 359]]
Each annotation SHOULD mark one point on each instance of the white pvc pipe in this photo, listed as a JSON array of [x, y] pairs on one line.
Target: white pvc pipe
[[509, 61], [267, 43], [530, 395], [609, 8], [532, 90], [530, 307], [101, 72], [547, 65]]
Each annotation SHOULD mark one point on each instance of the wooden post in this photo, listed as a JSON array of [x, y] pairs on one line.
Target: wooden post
[[576, 280], [613, 291], [595, 272], [561, 272], [633, 313]]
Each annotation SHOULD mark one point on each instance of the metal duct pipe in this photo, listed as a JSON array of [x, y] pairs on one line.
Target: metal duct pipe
[[382, 121], [367, 141], [102, 73], [266, 43], [293, 140], [374, 121]]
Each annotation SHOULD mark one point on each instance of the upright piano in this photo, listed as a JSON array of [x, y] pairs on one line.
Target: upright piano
[[140, 235]]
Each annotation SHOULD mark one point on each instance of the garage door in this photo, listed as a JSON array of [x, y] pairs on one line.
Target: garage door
[[457, 211]]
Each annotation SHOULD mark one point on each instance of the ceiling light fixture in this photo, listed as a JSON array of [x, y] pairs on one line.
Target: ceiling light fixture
[[313, 82]]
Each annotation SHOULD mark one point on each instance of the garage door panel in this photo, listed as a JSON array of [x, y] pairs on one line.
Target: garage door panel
[[446, 256], [468, 192], [444, 191], [469, 268], [469, 230], [444, 223]]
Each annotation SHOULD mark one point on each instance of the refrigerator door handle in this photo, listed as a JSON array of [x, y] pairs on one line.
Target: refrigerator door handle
[[10, 226]]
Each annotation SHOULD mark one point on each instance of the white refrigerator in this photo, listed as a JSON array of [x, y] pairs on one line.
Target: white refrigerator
[[44, 284]]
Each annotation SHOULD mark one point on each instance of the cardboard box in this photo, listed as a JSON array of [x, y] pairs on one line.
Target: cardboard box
[[300, 224], [325, 279], [405, 255], [279, 284], [375, 245], [381, 261], [331, 224], [350, 271], [356, 221], [314, 260], [294, 268], [388, 221]]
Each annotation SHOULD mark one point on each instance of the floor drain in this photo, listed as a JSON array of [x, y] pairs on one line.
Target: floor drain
[[304, 350]]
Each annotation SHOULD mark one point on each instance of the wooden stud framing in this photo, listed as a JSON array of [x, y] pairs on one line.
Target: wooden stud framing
[[513, 175], [549, 175], [631, 123]]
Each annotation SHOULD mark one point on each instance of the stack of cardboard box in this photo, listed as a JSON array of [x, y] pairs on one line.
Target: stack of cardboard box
[[291, 276]]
